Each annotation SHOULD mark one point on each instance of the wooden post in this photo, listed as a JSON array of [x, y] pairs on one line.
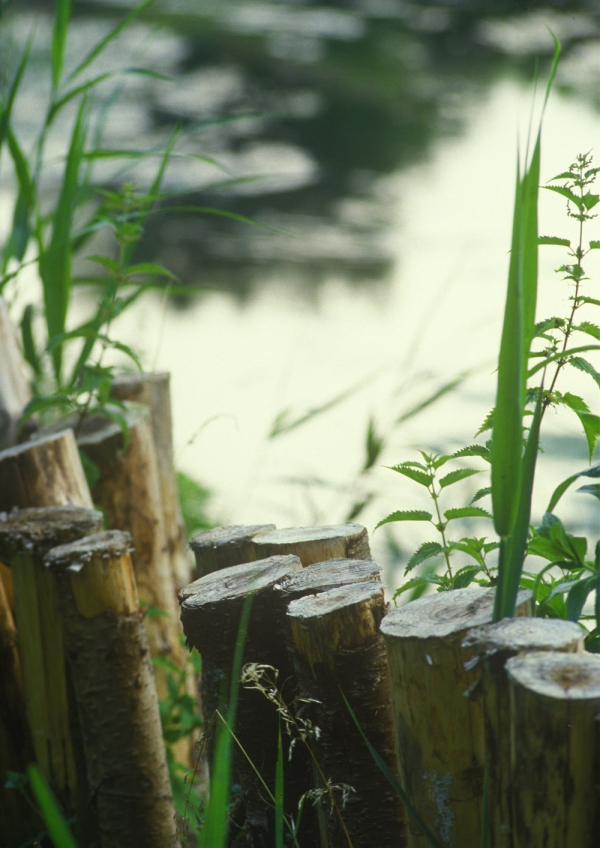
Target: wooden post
[[153, 390], [25, 537], [44, 472], [324, 576], [340, 653], [315, 544], [223, 547], [210, 612], [555, 699], [14, 382], [18, 822], [493, 645], [128, 490], [439, 732], [111, 668]]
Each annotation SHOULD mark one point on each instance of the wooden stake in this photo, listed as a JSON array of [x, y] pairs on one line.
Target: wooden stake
[[110, 663], [25, 537], [153, 390], [555, 701], [315, 544], [14, 381], [223, 547], [18, 822], [493, 645], [341, 653], [324, 576], [439, 732], [210, 611]]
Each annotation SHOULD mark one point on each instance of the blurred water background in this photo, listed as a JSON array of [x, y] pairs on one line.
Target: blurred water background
[[374, 143]]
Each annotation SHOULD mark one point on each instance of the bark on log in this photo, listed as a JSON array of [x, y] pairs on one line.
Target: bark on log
[[555, 699], [153, 390], [223, 547], [128, 490], [439, 732], [340, 652], [315, 544], [110, 664], [210, 611], [14, 382], [493, 645], [25, 537], [18, 822]]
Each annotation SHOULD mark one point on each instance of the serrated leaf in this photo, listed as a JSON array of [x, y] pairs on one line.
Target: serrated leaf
[[589, 422], [413, 474], [554, 240], [406, 515], [481, 493], [592, 300], [595, 245], [465, 576], [590, 200], [456, 476], [442, 459], [583, 365], [426, 551], [565, 175], [472, 450], [589, 329], [423, 580], [467, 512], [487, 423], [566, 192]]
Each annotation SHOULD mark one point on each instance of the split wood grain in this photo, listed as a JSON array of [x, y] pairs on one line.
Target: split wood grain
[[223, 547], [315, 544], [113, 682], [493, 645], [439, 732]]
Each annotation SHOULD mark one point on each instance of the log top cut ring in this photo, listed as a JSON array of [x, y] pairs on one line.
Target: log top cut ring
[[237, 581], [38, 529], [74, 555], [557, 675]]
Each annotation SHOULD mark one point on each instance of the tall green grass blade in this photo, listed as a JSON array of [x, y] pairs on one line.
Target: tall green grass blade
[[21, 229], [214, 833], [427, 833], [279, 816], [53, 819], [59, 39], [99, 47], [7, 104], [55, 260]]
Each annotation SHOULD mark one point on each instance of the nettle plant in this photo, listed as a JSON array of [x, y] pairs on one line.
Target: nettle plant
[[534, 364]]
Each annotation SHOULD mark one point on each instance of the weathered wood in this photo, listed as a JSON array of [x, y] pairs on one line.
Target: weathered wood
[[211, 609], [439, 732], [128, 490], [324, 576], [555, 699], [25, 537], [223, 547], [18, 822], [153, 390], [43, 472], [315, 544], [340, 654], [113, 681], [493, 645], [15, 392]]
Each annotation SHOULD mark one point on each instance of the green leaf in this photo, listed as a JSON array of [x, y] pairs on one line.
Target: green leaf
[[589, 329], [583, 365], [467, 512], [487, 423], [577, 597], [413, 474], [590, 200], [592, 489], [554, 240], [560, 356], [424, 580], [406, 515], [455, 476], [53, 819], [28, 339], [562, 488], [434, 396], [374, 444], [589, 422], [582, 299], [426, 551], [481, 493], [595, 245], [473, 450], [21, 230], [566, 192], [59, 39], [465, 576]]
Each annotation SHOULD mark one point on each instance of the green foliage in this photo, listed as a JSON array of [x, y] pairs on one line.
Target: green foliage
[[58, 829], [194, 498]]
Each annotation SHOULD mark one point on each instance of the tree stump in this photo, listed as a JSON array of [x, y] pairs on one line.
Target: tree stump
[[324, 576], [15, 393], [44, 472], [493, 645], [315, 544], [439, 732], [153, 391], [113, 681], [340, 653], [223, 547], [555, 699], [210, 611], [25, 538]]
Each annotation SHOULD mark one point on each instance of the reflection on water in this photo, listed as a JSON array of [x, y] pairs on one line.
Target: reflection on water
[[309, 108]]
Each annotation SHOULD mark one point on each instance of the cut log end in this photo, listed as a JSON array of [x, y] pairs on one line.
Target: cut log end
[[513, 635], [41, 528], [446, 614], [223, 547], [557, 675], [328, 575], [315, 544], [236, 582]]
